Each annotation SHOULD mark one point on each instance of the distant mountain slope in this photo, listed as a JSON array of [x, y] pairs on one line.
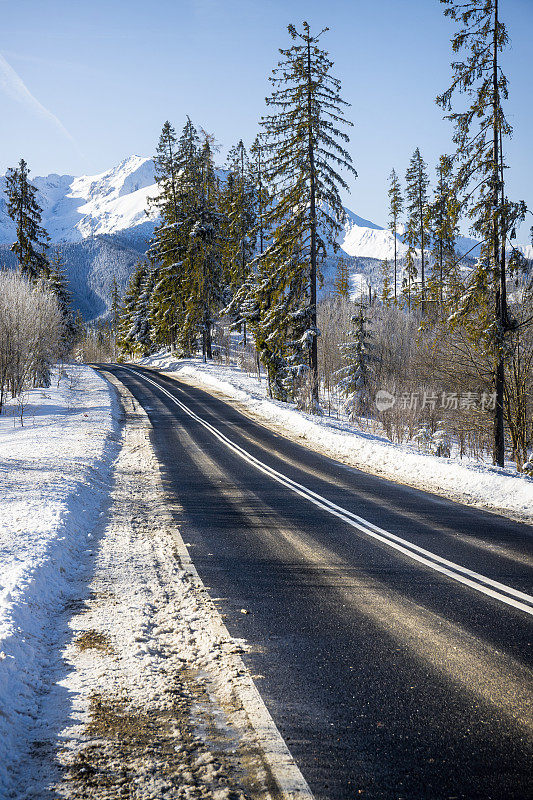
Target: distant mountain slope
[[91, 265], [116, 201], [365, 239]]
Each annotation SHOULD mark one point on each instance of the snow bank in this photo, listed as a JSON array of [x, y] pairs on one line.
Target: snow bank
[[55, 475], [466, 481]]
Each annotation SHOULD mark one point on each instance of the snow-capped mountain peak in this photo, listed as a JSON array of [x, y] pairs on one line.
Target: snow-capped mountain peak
[[75, 208], [129, 176], [365, 239]]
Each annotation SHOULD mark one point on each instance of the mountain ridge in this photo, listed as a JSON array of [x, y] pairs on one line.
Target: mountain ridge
[[105, 219], [116, 200], [75, 208]]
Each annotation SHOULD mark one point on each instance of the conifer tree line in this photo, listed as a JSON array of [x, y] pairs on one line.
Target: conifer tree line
[[248, 244], [244, 246], [428, 224], [470, 296]]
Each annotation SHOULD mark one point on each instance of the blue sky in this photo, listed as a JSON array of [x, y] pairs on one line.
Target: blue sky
[[85, 84]]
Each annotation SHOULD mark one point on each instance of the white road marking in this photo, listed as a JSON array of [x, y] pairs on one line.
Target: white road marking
[[499, 591]]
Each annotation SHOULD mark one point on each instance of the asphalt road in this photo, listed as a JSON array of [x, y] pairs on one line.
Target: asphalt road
[[389, 673]]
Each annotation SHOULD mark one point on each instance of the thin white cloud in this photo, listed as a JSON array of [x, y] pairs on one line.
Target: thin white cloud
[[13, 86]]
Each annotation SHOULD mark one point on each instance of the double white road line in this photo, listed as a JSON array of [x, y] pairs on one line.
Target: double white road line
[[499, 591]]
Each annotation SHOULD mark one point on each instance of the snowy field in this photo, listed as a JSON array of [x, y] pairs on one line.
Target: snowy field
[[466, 480], [55, 481]]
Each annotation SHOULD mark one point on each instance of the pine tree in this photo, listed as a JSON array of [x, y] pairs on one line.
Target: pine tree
[[58, 283], [302, 154], [141, 328], [253, 298], [238, 207], [164, 251], [137, 338], [23, 208], [166, 172], [342, 279], [262, 199], [395, 211], [178, 178], [442, 223], [480, 131], [262, 194], [417, 183], [204, 257], [386, 289], [410, 272], [129, 318], [271, 326], [357, 355]]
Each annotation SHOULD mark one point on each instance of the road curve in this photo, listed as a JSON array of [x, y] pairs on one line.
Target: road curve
[[389, 629]]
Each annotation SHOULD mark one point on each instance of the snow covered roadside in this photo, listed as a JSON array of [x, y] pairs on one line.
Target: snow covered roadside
[[465, 481], [55, 481]]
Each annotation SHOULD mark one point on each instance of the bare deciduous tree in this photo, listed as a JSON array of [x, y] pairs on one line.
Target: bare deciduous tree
[[31, 327]]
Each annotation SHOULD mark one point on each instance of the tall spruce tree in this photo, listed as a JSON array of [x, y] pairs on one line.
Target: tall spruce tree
[[133, 324], [204, 258], [395, 212], [238, 207], [416, 193], [255, 295], [410, 272], [164, 252], [167, 171], [32, 240], [139, 334], [178, 178], [304, 147], [262, 194], [442, 223], [480, 131]]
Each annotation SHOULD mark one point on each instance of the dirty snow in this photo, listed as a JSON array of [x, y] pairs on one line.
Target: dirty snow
[[466, 480], [55, 478]]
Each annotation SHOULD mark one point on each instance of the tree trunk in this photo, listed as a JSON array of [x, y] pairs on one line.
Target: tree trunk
[[395, 259], [208, 341], [499, 431], [422, 240], [499, 265], [313, 353]]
